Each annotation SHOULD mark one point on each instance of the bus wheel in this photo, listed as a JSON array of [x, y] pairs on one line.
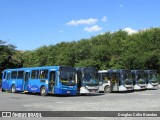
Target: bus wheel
[[107, 89], [43, 91], [13, 89], [3, 90]]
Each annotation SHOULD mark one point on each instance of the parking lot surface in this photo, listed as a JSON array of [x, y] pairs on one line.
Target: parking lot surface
[[148, 100]]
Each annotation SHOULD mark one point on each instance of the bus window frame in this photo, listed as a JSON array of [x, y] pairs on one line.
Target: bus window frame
[[37, 75], [18, 74], [4, 74], [13, 77], [8, 76], [41, 73]]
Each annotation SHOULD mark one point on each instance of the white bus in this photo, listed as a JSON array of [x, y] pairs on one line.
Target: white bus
[[152, 80], [139, 80], [115, 80], [88, 81]]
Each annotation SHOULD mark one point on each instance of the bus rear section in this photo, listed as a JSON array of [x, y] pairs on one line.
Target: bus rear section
[[12, 80], [88, 81], [115, 80], [48, 79], [139, 79], [152, 79]]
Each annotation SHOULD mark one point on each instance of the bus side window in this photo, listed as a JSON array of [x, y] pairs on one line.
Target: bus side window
[[43, 74], [8, 76], [14, 75], [35, 74], [4, 75], [20, 74], [105, 78]]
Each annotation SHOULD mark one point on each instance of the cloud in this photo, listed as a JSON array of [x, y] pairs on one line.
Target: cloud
[[90, 21], [94, 28], [104, 19], [130, 30]]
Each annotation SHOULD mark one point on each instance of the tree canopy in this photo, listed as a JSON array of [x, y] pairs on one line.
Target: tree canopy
[[117, 50], [9, 57]]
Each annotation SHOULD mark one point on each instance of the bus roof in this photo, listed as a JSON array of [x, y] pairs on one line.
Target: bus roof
[[137, 71], [33, 68], [114, 71], [86, 68], [150, 71]]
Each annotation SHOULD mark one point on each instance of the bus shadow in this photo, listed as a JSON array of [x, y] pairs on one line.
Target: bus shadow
[[123, 92], [140, 90], [78, 95], [29, 93], [58, 95], [92, 94], [153, 89]]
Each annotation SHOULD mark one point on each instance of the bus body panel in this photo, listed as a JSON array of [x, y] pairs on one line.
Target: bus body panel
[[6, 81], [18, 84]]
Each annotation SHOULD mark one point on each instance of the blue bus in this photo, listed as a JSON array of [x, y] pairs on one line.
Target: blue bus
[[87, 80], [115, 80], [152, 79], [139, 79], [48, 79]]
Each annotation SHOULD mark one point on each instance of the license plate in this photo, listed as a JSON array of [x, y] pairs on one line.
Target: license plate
[[68, 92], [93, 91]]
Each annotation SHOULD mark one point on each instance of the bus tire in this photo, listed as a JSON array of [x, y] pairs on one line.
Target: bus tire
[[43, 91], [3, 90], [107, 89], [13, 89]]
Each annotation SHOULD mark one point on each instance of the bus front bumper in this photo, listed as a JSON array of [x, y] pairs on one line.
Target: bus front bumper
[[152, 86], [137, 87], [86, 90]]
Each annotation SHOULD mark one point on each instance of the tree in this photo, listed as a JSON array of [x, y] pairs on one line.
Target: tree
[[8, 56]]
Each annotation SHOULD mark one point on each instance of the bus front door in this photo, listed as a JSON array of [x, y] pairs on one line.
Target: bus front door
[[52, 77], [6, 81], [114, 83], [25, 83]]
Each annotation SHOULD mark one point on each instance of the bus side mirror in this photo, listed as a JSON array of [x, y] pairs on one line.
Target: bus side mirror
[[100, 83]]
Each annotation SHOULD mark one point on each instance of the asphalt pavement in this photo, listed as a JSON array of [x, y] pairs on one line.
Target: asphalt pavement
[[147, 100]]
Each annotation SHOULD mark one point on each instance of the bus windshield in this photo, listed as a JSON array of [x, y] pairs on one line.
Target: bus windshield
[[90, 78], [128, 79], [67, 77], [141, 78], [153, 77]]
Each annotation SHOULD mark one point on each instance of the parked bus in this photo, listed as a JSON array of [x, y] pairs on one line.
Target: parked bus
[[88, 81], [139, 80], [115, 80], [152, 79], [48, 79]]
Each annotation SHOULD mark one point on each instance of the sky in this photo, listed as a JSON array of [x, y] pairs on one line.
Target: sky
[[30, 24]]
